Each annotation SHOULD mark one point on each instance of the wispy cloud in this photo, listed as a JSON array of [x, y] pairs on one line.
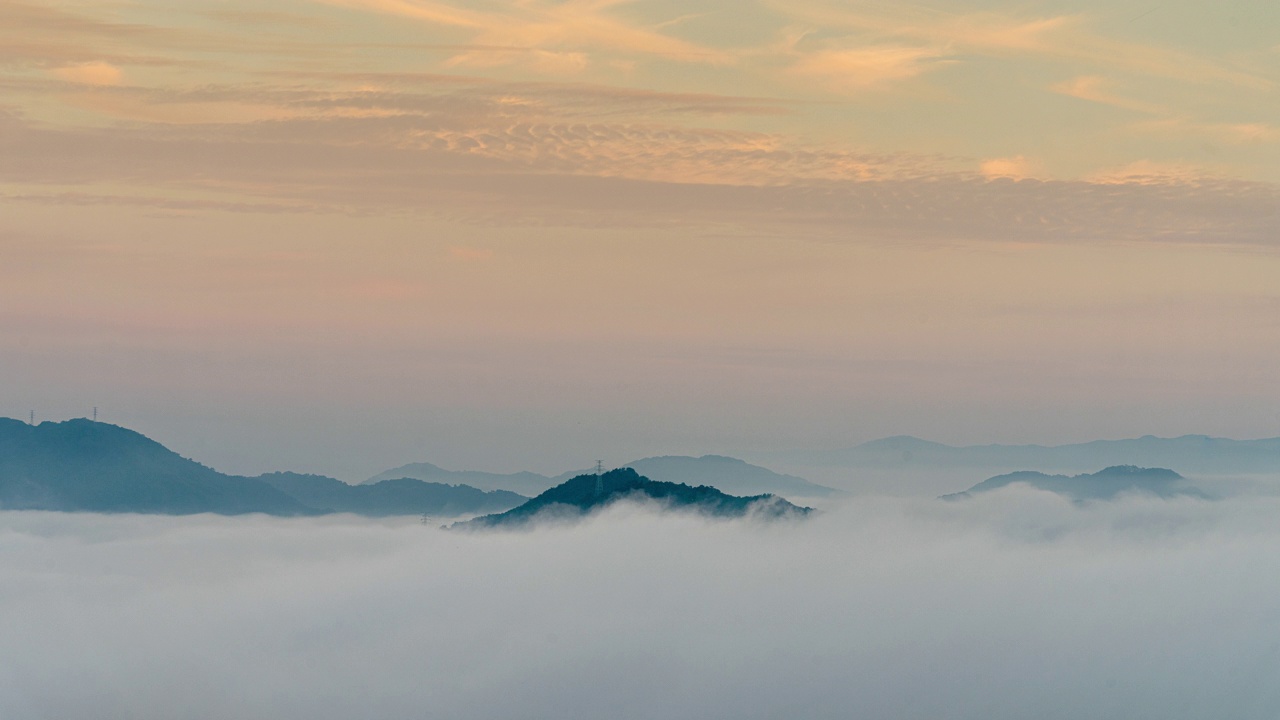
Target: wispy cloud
[[1145, 172], [1216, 133], [593, 174], [864, 68], [197, 124], [1014, 168], [1068, 38], [1098, 89], [92, 73], [559, 32]]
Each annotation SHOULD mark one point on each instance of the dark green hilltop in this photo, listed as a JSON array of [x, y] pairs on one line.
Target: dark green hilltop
[[1106, 484], [86, 466], [79, 465], [583, 494]]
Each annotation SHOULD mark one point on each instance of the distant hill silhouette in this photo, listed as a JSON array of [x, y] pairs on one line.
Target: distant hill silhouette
[[81, 465], [527, 484], [1189, 453], [578, 496], [1105, 484], [401, 496], [728, 474], [90, 466]]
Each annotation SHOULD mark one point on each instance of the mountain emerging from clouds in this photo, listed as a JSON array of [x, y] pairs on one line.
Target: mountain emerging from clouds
[[80, 465], [583, 494], [728, 474], [1189, 453], [1106, 484]]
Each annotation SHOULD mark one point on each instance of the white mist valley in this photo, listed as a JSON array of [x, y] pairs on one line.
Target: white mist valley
[[1015, 604]]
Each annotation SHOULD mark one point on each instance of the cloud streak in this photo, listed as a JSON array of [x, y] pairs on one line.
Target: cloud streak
[[1065, 38], [204, 118], [553, 29], [445, 162]]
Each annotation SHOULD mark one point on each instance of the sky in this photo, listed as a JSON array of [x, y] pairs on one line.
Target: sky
[[1016, 604], [340, 236]]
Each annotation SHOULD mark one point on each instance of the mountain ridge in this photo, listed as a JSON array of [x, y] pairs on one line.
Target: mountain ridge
[[82, 465], [524, 482], [728, 474], [583, 494], [1105, 484], [1190, 453], [400, 496]]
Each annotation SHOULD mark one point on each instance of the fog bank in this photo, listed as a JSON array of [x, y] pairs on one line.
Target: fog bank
[[1012, 605]]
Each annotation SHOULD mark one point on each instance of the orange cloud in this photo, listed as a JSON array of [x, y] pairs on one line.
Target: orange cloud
[[866, 67], [1094, 89], [544, 61], [1146, 172], [1063, 37], [548, 26], [1017, 167], [91, 73]]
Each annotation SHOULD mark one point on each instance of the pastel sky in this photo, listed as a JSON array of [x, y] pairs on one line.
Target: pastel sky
[[338, 236]]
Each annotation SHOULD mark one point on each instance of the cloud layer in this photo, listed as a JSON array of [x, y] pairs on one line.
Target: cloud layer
[[449, 162], [1011, 606], [812, 117]]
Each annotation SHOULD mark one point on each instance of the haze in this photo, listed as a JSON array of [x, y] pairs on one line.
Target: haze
[[342, 236]]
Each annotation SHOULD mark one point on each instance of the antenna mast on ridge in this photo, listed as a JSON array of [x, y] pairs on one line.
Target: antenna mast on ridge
[[599, 479], [95, 413], [33, 417]]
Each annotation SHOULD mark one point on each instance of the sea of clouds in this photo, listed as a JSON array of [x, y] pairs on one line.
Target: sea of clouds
[[1013, 605]]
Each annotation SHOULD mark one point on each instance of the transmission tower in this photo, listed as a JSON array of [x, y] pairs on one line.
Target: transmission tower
[[599, 477], [95, 413], [33, 417]]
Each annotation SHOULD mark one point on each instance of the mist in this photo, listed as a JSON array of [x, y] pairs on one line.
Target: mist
[[1015, 604]]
